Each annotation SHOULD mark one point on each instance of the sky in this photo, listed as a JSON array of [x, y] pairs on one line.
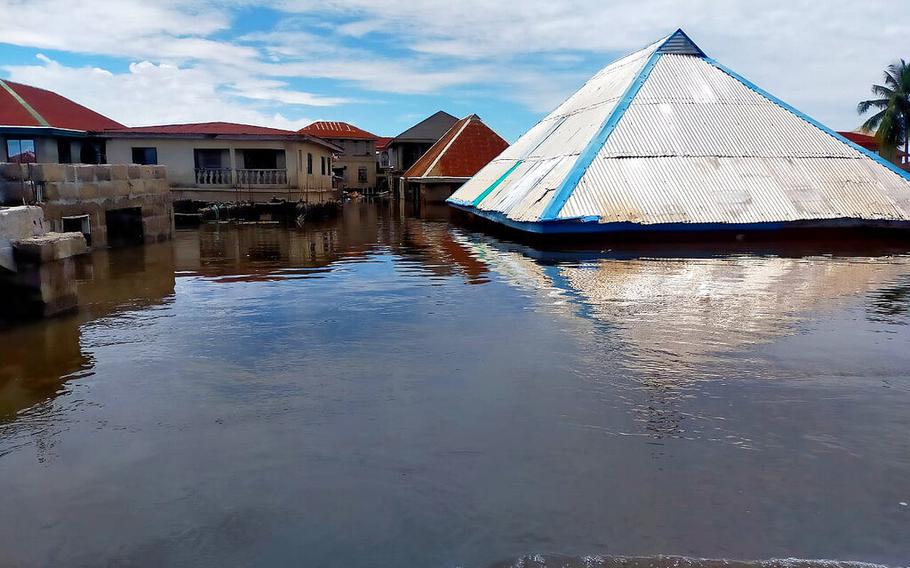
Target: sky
[[383, 65]]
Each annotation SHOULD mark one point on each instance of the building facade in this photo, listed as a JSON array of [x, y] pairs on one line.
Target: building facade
[[355, 165], [219, 161]]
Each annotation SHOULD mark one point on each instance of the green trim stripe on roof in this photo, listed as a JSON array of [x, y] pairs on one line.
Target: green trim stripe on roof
[[24, 104]]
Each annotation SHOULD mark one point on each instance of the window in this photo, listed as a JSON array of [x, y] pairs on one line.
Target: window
[[362, 174], [261, 159], [64, 152], [21, 151], [145, 156], [79, 224], [309, 163], [299, 160], [211, 159], [322, 165]]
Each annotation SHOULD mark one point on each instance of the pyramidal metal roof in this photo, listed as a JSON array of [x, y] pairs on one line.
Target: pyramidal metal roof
[[461, 152], [669, 139]]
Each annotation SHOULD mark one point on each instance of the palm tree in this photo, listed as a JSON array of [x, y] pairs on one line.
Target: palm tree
[[892, 121]]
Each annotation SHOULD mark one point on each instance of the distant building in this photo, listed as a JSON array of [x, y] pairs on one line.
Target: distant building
[[222, 161], [406, 148], [355, 165], [382, 151], [461, 152], [866, 139], [39, 126]]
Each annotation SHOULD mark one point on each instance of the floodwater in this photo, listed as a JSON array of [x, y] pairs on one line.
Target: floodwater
[[389, 390]]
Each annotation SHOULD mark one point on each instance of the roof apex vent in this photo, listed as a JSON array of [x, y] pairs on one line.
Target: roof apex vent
[[680, 44]]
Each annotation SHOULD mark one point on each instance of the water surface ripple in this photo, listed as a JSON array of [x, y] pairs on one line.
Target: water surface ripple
[[391, 389]]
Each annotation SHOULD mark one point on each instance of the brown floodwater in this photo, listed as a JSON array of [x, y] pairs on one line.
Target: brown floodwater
[[393, 389]]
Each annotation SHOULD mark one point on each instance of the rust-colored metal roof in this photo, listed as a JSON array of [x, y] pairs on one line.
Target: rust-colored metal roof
[[27, 106], [461, 152], [337, 130]]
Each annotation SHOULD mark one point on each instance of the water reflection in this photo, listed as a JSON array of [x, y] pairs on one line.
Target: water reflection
[[39, 358], [388, 388], [364, 230], [672, 323]]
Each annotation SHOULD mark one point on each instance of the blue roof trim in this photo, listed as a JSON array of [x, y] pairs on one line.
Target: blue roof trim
[[576, 227], [809, 119], [551, 212], [483, 195]]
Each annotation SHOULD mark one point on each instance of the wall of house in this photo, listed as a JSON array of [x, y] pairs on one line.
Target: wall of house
[[75, 190], [437, 192], [351, 165], [178, 155], [357, 154]]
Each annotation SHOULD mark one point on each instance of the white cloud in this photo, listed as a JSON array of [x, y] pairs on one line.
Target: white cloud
[[150, 94], [821, 59]]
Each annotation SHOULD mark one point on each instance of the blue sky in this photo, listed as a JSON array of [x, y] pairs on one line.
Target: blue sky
[[385, 65]]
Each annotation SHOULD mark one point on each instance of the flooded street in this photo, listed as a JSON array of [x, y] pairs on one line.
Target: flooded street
[[389, 390]]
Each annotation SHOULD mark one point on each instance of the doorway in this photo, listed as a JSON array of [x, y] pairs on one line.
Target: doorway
[[124, 226]]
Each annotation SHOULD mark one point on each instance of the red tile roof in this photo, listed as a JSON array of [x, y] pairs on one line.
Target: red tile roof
[[223, 129], [461, 152], [869, 142], [337, 130], [23, 105], [383, 142], [206, 128], [865, 140]]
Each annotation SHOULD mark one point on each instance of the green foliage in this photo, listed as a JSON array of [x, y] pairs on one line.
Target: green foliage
[[891, 121]]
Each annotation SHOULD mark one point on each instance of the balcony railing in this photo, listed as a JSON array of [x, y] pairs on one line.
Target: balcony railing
[[245, 177], [262, 177], [213, 176]]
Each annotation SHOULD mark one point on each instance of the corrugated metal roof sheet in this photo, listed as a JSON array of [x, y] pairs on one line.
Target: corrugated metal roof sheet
[[334, 129], [564, 133], [24, 105], [667, 136], [467, 147]]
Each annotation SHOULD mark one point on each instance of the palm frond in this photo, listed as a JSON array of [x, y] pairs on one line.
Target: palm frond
[[864, 106], [873, 121], [882, 91]]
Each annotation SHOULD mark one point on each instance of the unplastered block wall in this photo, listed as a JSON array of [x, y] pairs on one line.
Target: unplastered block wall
[[64, 190]]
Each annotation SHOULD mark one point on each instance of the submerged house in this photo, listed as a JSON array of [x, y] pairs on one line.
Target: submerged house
[[468, 146], [53, 155], [355, 165], [667, 139], [404, 150], [39, 126], [223, 161]]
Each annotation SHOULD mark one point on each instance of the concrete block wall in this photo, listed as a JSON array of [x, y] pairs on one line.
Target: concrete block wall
[[18, 223], [67, 190]]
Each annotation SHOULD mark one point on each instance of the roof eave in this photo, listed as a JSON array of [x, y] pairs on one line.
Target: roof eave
[[44, 130]]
